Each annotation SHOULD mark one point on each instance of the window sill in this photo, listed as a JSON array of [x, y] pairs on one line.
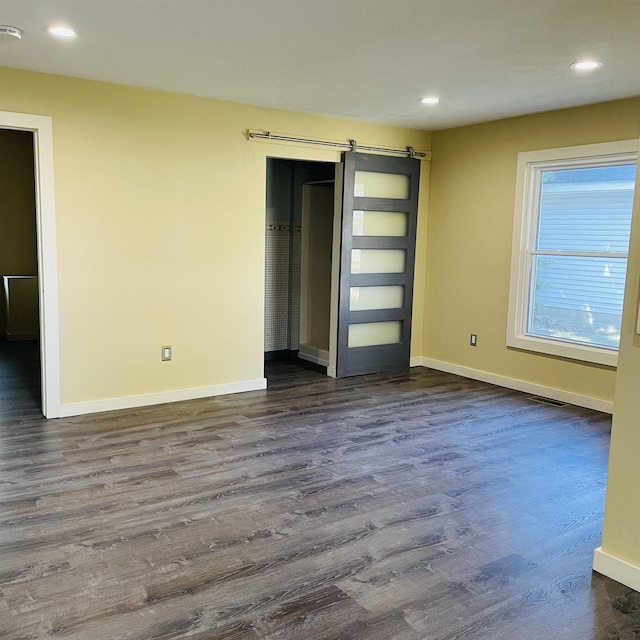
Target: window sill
[[562, 349]]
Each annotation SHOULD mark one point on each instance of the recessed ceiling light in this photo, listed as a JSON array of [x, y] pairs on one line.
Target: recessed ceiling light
[[8, 30], [62, 32], [586, 65], [430, 100]]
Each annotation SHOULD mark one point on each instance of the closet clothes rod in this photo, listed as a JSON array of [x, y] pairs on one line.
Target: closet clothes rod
[[352, 145]]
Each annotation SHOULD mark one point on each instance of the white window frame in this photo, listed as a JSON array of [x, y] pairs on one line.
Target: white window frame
[[531, 164]]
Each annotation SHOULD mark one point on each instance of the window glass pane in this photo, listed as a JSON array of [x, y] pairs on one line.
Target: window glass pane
[[577, 298], [369, 334], [378, 260], [367, 298], [369, 184], [379, 223], [587, 209]]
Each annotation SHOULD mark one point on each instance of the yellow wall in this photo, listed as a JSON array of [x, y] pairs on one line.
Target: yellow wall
[[160, 206], [17, 209], [471, 208], [622, 514]]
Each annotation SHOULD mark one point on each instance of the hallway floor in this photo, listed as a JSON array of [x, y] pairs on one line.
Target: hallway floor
[[19, 379]]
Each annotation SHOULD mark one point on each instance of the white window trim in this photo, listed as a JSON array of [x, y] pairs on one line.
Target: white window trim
[[524, 230]]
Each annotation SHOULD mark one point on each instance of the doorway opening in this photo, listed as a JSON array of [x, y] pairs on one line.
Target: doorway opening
[[41, 130], [298, 261], [20, 361]]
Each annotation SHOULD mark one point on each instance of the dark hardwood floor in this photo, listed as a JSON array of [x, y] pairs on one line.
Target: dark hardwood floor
[[410, 505], [19, 379]]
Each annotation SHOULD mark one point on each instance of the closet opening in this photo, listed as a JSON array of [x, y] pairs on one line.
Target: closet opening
[[300, 205]]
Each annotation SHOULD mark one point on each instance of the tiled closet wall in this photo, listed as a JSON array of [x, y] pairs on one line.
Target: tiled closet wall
[[282, 287], [282, 266]]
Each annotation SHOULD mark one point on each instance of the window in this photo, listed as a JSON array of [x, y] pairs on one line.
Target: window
[[570, 243]]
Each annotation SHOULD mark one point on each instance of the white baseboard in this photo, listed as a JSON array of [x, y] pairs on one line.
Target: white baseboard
[[312, 354], [131, 402], [617, 569], [606, 406]]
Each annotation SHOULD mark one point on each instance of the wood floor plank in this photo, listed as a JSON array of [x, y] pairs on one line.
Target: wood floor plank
[[406, 505]]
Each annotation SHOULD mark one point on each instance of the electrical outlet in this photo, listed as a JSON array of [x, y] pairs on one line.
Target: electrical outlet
[[166, 353], [473, 341]]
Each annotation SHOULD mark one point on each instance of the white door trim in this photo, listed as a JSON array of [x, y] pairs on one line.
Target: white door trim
[[42, 128]]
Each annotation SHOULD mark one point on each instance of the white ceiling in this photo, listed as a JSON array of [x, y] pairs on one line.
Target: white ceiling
[[364, 59]]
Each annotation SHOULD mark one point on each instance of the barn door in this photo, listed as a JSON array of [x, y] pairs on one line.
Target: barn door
[[379, 215]]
